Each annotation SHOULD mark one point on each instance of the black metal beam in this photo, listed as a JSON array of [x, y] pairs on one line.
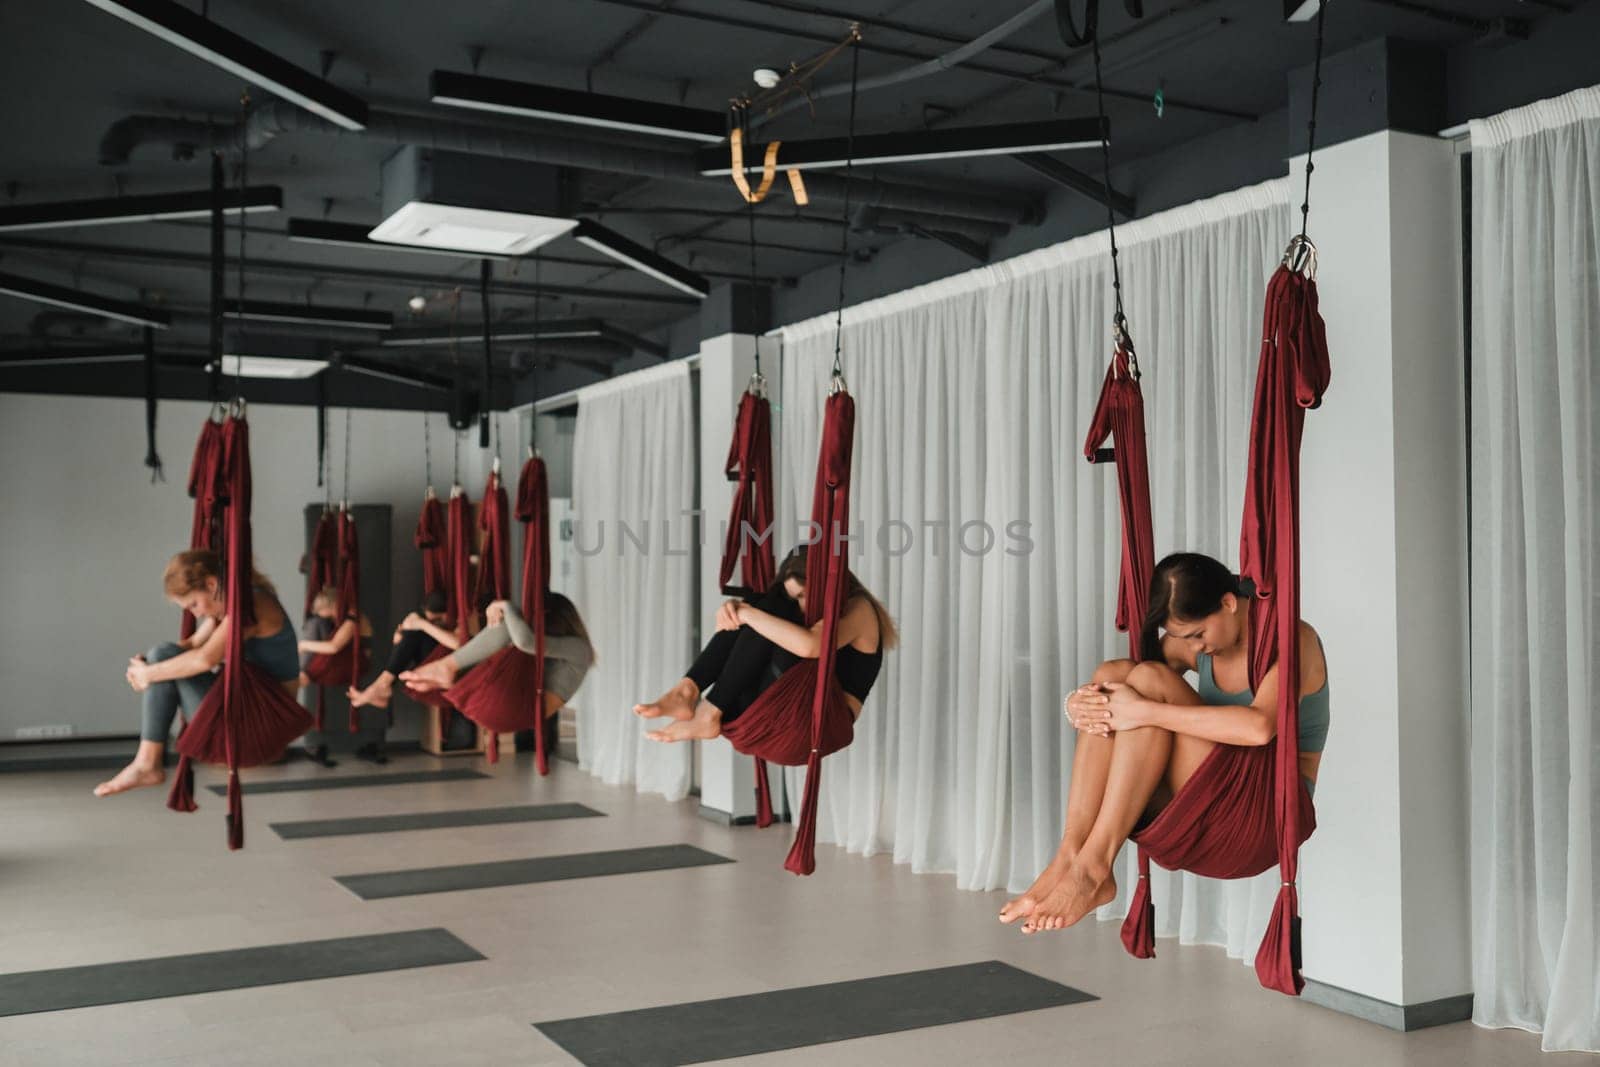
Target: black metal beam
[[1079, 182], [114, 210], [386, 278]]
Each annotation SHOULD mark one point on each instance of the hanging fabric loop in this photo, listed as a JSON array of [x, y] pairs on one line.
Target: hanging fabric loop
[[152, 457]]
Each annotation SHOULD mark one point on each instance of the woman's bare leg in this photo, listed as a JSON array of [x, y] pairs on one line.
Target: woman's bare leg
[[1091, 764], [1143, 761]]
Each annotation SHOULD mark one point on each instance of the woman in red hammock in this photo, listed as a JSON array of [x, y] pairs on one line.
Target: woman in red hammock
[[758, 640], [326, 635], [415, 639], [180, 673], [1143, 730], [568, 655]]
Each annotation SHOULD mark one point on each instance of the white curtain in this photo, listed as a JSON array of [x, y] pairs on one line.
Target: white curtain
[[1535, 596], [973, 395], [633, 493]]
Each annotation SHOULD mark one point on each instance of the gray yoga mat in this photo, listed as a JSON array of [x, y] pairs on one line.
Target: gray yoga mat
[[810, 1015], [431, 820], [207, 972], [355, 781], [527, 871]]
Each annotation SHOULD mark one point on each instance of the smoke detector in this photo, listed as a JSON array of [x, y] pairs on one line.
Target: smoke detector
[[766, 77]]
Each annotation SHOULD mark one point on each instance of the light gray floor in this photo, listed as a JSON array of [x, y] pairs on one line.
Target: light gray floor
[[89, 881]]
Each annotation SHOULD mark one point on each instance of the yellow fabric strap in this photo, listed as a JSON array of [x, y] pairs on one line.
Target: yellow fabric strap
[[769, 171]]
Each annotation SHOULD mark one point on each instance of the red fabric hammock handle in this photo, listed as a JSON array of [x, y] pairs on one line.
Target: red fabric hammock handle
[[1293, 374], [1119, 417], [206, 490], [460, 546], [432, 540], [349, 603], [533, 511], [494, 567], [749, 534], [322, 571], [825, 562]]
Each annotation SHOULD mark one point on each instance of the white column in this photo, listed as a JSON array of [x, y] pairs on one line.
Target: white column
[[727, 779], [1383, 538]]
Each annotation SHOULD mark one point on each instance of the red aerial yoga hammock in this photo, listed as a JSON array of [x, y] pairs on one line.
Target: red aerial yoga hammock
[[206, 489], [247, 718], [750, 520], [344, 668], [1119, 417], [458, 584], [432, 540], [750, 527], [505, 693], [322, 563], [803, 716], [1246, 807], [494, 566]]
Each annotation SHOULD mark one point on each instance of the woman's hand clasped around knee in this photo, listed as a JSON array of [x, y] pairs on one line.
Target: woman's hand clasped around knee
[[1112, 707], [495, 613], [138, 674], [1081, 702], [728, 616]]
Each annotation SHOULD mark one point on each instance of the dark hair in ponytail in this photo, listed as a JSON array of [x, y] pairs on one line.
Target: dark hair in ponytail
[[1185, 585]]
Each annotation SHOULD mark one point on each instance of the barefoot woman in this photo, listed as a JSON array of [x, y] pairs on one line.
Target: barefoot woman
[[181, 673], [568, 654], [1143, 731], [757, 641]]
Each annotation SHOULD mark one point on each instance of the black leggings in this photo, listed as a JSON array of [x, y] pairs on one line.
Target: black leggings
[[413, 647], [736, 666]]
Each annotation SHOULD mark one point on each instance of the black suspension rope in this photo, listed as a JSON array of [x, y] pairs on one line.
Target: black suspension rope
[[1311, 125], [485, 272], [538, 298], [453, 421], [750, 205], [844, 231], [323, 482], [1119, 321], [152, 458], [244, 231], [218, 276], [345, 496], [427, 448]]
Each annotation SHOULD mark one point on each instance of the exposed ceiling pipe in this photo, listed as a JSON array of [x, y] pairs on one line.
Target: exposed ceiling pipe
[[937, 65], [274, 118]]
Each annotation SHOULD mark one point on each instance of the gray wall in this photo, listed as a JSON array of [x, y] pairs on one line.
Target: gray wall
[[84, 535]]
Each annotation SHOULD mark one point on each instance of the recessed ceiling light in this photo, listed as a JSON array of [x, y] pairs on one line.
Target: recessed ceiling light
[[503, 233], [269, 366], [418, 303], [766, 77]]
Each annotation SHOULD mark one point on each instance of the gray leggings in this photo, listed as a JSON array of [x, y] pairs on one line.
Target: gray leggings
[[161, 701], [491, 639]]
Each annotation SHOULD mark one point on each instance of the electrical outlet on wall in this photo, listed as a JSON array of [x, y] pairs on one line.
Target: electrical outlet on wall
[[41, 733]]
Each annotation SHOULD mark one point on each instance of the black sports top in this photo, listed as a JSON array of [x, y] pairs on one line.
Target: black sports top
[[857, 670]]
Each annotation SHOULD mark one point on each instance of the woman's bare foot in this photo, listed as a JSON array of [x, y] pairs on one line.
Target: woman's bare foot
[[705, 724], [676, 703], [376, 695], [440, 674], [1023, 907], [133, 776], [1079, 892]]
